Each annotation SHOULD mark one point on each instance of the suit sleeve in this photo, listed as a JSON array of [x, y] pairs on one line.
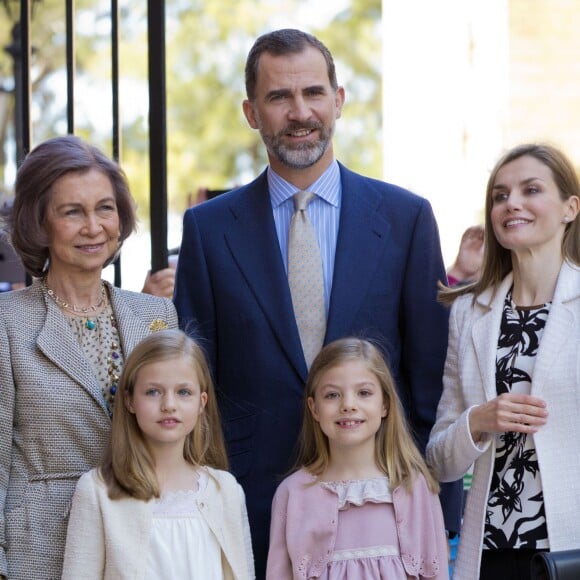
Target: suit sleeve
[[424, 337], [451, 450], [193, 293], [424, 324], [6, 422], [84, 555], [279, 565]]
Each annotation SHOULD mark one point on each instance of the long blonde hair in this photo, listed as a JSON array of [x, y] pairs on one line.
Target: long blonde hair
[[395, 451], [497, 260], [129, 467]]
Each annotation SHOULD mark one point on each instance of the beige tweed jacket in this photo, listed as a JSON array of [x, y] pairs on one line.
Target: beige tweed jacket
[[54, 423], [469, 380]]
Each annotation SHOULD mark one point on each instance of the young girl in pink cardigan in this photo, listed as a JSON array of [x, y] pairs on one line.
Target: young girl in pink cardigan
[[363, 504]]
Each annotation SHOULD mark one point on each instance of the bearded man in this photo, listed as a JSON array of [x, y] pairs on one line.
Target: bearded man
[[378, 253]]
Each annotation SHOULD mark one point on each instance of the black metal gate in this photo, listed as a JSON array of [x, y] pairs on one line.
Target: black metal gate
[[21, 52]]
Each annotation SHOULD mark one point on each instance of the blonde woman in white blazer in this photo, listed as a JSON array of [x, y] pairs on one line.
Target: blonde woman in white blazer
[[511, 398]]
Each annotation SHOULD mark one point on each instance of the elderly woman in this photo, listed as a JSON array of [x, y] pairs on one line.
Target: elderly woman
[[62, 344], [511, 396]]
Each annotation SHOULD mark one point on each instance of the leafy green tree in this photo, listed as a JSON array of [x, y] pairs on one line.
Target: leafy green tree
[[47, 73], [209, 142], [354, 38]]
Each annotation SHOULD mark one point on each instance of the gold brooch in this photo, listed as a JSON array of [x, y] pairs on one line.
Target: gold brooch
[[157, 325]]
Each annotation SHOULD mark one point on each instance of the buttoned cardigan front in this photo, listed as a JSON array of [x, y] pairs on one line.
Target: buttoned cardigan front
[[304, 527]]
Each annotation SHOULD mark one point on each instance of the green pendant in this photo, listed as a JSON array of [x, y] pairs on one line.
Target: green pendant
[[91, 324]]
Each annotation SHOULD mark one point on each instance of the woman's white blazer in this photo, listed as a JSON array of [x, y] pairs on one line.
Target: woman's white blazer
[[469, 380]]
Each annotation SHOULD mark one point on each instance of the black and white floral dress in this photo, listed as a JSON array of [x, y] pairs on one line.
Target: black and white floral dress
[[515, 517]]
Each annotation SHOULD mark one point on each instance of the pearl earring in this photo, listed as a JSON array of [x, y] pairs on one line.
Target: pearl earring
[[566, 219]]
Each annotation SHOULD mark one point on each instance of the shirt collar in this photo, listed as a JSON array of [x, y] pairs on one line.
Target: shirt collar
[[327, 186]]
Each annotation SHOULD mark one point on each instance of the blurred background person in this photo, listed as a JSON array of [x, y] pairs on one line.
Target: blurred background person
[[12, 275], [467, 265], [162, 282]]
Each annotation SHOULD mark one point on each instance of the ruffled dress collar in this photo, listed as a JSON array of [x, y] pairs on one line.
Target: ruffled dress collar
[[357, 492]]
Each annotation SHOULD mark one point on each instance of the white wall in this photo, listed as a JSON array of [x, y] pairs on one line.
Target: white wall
[[446, 89]]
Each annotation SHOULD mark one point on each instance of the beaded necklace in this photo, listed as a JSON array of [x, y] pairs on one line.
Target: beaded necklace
[[103, 351], [107, 368], [90, 323], [114, 363]]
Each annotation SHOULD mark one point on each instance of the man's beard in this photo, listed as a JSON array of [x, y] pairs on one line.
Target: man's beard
[[302, 155]]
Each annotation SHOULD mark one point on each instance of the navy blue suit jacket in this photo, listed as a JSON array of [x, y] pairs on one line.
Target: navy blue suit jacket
[[232, 291]]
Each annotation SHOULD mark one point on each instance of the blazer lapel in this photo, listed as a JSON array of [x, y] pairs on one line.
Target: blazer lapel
[[485, 334], [258, 257], [132, 328], [559, 327], [57, 342], [362, 238]]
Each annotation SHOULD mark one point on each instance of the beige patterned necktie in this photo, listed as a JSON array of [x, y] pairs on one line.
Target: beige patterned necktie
[[305, 278]]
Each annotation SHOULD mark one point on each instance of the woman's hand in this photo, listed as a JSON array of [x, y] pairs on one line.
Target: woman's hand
[[508, 412]]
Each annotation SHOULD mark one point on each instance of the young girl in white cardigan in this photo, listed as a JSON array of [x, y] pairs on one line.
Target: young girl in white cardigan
[[363, 504], [161, 505]]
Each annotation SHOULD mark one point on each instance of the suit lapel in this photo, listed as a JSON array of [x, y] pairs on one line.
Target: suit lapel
[[362, 238], [57, 341], [132, 328], [258, 258], [485, 334]]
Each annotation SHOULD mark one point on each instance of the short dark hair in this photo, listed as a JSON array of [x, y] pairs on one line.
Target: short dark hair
[[281, 42], [49, 161]]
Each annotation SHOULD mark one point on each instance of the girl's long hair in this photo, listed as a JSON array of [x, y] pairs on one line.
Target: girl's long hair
[[395, 451], [497, 260], [129, 468]]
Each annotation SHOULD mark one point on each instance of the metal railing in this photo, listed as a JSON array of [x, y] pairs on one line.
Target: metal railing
[[21, 51]]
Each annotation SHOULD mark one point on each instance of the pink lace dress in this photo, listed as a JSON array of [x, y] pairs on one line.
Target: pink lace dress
[[367, 546]]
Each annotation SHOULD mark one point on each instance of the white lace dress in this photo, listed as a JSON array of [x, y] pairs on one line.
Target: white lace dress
[[182, 545]]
